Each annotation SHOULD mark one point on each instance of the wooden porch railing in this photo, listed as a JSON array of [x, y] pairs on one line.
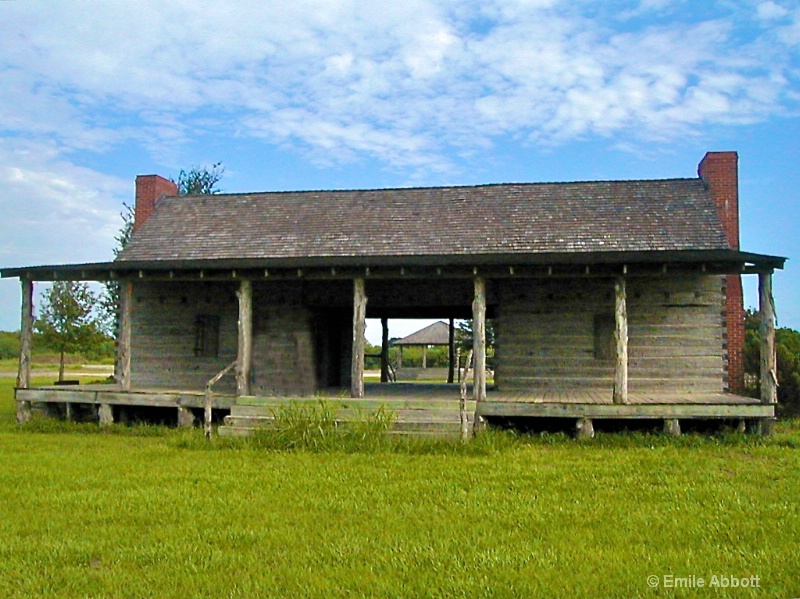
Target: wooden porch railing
[[209, 393], [462, 404]]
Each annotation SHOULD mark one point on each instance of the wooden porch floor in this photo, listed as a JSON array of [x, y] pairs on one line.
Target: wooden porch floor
[[435, 391], [566, 403]]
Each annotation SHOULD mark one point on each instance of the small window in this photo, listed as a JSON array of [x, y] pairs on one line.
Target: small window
[[605, 344], [206, 336]]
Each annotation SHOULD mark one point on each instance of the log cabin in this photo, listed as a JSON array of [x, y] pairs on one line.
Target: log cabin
[[610, 299]]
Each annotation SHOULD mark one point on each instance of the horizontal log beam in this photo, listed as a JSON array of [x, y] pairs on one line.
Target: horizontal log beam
[[640, 411], [409, 271], [134, 398]]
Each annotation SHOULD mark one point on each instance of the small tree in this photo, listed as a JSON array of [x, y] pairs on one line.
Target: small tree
[[787, 349], [109, 301], [200, 180], [464, 334], [67, 322]]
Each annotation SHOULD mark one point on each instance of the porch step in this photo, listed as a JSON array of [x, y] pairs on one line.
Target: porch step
[[417, 417], [418, 422], [344, 414], [448, 433]]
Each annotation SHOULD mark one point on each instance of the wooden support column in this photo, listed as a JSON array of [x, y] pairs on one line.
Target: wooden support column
[[424, 356], [105, 415], [123, 362], [26, 339], [244, 356], [359, 340], [672, 427], [26, 335], [584, 429], [479, 340], [769, 372], [621, 338], [185, 417], [384, 350], [451, 351]]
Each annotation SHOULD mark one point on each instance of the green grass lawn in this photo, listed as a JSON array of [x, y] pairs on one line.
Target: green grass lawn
[[149, 512]]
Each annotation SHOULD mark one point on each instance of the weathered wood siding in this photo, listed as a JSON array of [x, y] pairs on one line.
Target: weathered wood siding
[[547, 334], [551, 333], [163, 320], [163, 339], [283, 343]]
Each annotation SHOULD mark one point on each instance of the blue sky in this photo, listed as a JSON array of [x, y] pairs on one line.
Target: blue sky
[[310, 94]]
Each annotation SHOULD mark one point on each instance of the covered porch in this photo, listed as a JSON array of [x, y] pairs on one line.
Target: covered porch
[[618, 400]]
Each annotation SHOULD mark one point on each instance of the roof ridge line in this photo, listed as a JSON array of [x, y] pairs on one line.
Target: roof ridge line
[[434, 187]]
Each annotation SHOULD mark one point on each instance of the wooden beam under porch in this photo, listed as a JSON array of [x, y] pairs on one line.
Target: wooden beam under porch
[[522, 403]]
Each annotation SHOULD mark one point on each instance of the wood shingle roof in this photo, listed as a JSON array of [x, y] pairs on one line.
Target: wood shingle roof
[[507, 219]]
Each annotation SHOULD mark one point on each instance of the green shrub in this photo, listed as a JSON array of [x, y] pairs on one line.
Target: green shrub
[[315, 427], [9, 345]]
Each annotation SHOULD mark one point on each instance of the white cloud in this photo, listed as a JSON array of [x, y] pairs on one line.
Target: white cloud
[[790, 34], [770, 10], [71, 214], [399, 82]]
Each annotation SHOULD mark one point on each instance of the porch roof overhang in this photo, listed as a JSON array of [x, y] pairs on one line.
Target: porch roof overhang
[[531, 264]]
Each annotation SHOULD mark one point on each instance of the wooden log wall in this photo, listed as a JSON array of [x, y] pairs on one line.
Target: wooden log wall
[[283, 346], [283, 342], [546, 334], [163, 323]]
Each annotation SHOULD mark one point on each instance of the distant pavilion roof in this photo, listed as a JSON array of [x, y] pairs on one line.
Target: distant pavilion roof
[[436, 334]]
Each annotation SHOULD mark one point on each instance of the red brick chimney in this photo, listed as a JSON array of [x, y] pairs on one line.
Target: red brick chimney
[[720, 172], [150, 189]]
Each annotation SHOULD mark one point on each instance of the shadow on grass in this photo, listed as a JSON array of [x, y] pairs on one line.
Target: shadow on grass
[[316, 430]]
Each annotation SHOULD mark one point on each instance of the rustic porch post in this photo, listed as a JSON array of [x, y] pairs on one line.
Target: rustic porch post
[[244, 356], [359, 340], [584, 428], [479, 340], [26, 337], [385, 350], [769, 372], [451, 351], [621, 337], [185, 417], [672, 427], [105, 415], [123, 365]]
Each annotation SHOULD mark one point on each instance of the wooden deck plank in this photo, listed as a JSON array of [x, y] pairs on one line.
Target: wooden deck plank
[[654, 411], [517, 401]]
